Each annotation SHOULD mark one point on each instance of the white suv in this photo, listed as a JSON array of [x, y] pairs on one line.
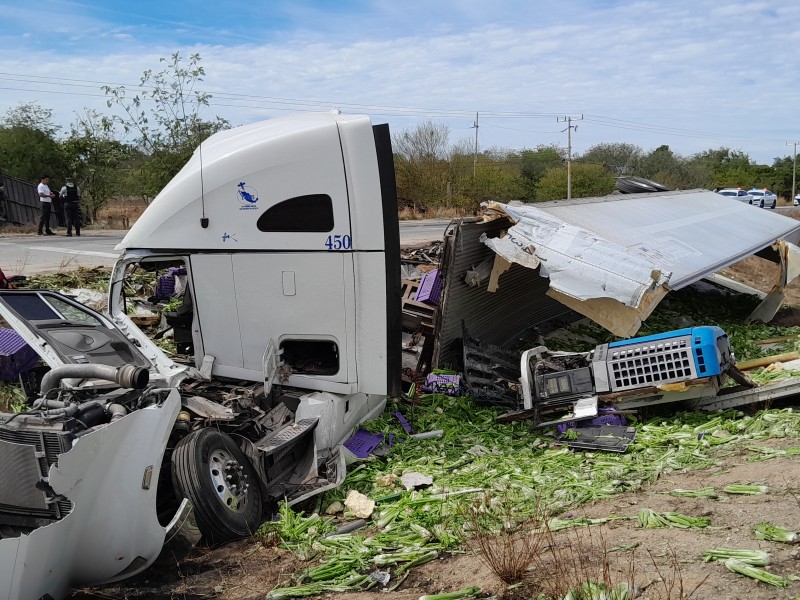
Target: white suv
[[738, 193]]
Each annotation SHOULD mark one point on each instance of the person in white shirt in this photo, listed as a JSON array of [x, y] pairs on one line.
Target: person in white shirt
[[46, 198]]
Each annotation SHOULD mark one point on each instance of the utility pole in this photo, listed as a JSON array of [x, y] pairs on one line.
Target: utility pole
[[568, 120], [794, 167], [475, 161]]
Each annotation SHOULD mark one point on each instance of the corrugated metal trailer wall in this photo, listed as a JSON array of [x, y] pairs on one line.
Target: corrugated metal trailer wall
[[495, 318], [20, 205]]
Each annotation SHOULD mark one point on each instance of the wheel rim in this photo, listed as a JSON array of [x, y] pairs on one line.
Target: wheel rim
[[229, 480]]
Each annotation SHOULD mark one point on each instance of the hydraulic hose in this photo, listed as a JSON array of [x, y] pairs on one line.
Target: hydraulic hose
[[127, 376]]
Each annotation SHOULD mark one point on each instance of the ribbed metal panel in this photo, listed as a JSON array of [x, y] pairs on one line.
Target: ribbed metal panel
[[49, 444], [495, 318], [19, 203]]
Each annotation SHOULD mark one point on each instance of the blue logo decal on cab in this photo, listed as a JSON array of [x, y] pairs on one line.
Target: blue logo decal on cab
[[248, 196]]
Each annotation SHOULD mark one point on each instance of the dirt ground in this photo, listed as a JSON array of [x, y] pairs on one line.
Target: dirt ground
[[248, 570]]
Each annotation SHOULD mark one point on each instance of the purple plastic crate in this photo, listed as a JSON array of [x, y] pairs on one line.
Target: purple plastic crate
[[443, 384], [430, 288], [16, 356], [609, 418], [165, 288], [363, 443]]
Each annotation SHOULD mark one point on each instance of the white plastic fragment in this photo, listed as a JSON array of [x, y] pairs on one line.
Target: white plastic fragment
[[414, 480]]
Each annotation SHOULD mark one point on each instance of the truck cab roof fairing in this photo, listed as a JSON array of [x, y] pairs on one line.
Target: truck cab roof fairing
[[239, 174]]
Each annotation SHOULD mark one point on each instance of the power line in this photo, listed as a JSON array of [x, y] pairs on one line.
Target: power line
[[252, 101]]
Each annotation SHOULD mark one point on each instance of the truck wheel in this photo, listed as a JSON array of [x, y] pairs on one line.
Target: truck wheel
[[210, 470]]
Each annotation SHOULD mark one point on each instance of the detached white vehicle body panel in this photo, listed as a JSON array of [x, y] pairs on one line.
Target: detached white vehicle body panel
[[112, 531]]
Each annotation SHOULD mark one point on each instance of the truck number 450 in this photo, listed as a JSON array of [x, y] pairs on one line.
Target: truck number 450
[[338, 242]]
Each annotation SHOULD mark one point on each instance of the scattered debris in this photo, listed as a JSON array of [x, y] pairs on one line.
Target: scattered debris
[[747, 490], [775, 533], [334, 508], [415, 481], [359, 505]]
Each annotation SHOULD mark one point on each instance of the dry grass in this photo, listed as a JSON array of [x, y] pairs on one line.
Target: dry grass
[[119, 214], [409, 214], [579, 562], [580, 558], [521, 549], [508, 543]]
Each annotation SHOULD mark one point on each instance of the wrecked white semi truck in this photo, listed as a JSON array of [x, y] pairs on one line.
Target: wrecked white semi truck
[[288, 234]]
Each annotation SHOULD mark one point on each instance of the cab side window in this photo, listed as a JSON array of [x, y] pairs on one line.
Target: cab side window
[[310, 213]]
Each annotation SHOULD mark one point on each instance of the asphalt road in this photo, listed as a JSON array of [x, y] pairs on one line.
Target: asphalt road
[[27, 254]]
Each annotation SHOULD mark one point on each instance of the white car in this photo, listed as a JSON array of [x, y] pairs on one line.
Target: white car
[[796, 200], [763, 198], [737, 193]]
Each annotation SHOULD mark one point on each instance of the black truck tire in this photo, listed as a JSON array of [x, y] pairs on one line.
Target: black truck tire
[[209, 469]]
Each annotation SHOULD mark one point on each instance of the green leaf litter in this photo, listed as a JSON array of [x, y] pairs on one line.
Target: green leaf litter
[[480, 461]]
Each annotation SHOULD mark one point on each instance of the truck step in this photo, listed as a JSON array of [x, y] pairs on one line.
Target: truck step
[[285, 436]]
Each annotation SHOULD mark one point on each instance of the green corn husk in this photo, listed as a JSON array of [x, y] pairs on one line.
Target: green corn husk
[[651, 519], [756, 558], [704, 492], [500, 470], [349, 583], [590, 590], [468, 592], [747, 490], [775, 533], [741, 568]]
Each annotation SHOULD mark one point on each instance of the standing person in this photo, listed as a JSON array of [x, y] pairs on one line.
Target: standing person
[[71, 194], [58, 208], [46, 198]]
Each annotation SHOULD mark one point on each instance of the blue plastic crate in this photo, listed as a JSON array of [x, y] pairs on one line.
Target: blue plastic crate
[[16, 356]]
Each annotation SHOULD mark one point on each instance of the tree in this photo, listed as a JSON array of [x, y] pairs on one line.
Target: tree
[[422, 168], [587, 181], [427, 142], [30, 115], [672, 170], [535, 163], [95, 156], [728, 168], [28, 148], [782, 174], [165, 119], [619, 158]]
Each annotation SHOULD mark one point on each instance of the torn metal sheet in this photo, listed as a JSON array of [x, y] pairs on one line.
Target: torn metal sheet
[[582, 267], [613, 259], [790, 269], [578, 262]]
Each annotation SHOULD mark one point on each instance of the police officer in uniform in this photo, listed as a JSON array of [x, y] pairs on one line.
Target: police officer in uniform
[[71, 194]]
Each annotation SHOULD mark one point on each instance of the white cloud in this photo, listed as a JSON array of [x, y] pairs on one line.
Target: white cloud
[[690, 70]]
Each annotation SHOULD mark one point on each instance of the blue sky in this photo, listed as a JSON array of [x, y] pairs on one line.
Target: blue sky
[[691, 74]]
